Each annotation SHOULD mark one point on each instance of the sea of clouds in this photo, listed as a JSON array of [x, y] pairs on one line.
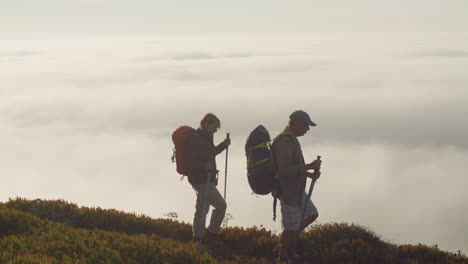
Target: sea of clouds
[[90, 120]]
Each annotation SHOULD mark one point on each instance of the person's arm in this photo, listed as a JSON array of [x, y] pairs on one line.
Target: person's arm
[[285, 161], [222, 146], [314, 176]]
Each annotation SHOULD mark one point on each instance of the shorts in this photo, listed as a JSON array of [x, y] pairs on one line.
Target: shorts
[[291, 215]]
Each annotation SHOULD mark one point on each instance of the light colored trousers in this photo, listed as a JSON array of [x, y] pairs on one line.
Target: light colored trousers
[[214, 199]]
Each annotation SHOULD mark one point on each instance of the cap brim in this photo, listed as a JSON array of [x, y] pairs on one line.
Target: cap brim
[[311, 123]]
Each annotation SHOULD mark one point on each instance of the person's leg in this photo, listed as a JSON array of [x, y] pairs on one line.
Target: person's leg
[[217, 216], [310, 216], [286, 243], [309, 220], [197, 227], [311, 213], [290, 217]]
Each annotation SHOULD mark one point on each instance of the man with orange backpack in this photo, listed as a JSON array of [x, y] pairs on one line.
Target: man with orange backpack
[[198, 162]]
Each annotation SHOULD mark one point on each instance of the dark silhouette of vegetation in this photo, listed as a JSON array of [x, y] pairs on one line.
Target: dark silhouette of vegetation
[[41, 231], [228, 217]]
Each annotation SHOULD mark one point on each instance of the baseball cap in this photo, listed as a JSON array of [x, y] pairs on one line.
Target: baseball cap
[[302, 116]]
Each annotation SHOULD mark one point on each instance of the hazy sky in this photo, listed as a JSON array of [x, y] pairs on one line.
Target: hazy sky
[[87, 107], [125, 17]]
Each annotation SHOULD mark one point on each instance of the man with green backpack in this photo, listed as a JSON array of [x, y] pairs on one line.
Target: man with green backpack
[[297, 209]]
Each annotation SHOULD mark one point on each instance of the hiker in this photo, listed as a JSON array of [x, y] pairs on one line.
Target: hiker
[[201, 163], [293, 173]]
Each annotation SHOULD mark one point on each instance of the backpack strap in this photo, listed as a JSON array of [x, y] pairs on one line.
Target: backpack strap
[[173, 155], [281, 135], [250, 164], [275, 202]]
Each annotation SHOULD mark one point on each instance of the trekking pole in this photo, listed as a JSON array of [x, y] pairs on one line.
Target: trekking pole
[[305, 207], [204, 208], [225, 169]]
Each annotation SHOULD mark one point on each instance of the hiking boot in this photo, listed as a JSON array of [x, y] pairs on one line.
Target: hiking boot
[[284, 260], [276, 250], [293, 254], [300, 246], [295, 257], [213, 238]]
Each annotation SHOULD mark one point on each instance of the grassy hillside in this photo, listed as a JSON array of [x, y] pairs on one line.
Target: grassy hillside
[[41, 231]]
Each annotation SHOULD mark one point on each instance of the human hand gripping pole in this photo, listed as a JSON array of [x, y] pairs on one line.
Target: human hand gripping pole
[[225, 168], [309, 194]]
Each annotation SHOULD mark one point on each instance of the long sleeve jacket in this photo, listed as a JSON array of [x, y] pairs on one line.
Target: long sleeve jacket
[[289, 162], [201, 152]]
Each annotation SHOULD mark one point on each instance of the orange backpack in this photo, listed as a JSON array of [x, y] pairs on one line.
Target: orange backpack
[[180, 137]]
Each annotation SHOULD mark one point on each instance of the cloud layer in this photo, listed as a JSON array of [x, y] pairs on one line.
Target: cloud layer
[[89, 120]]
